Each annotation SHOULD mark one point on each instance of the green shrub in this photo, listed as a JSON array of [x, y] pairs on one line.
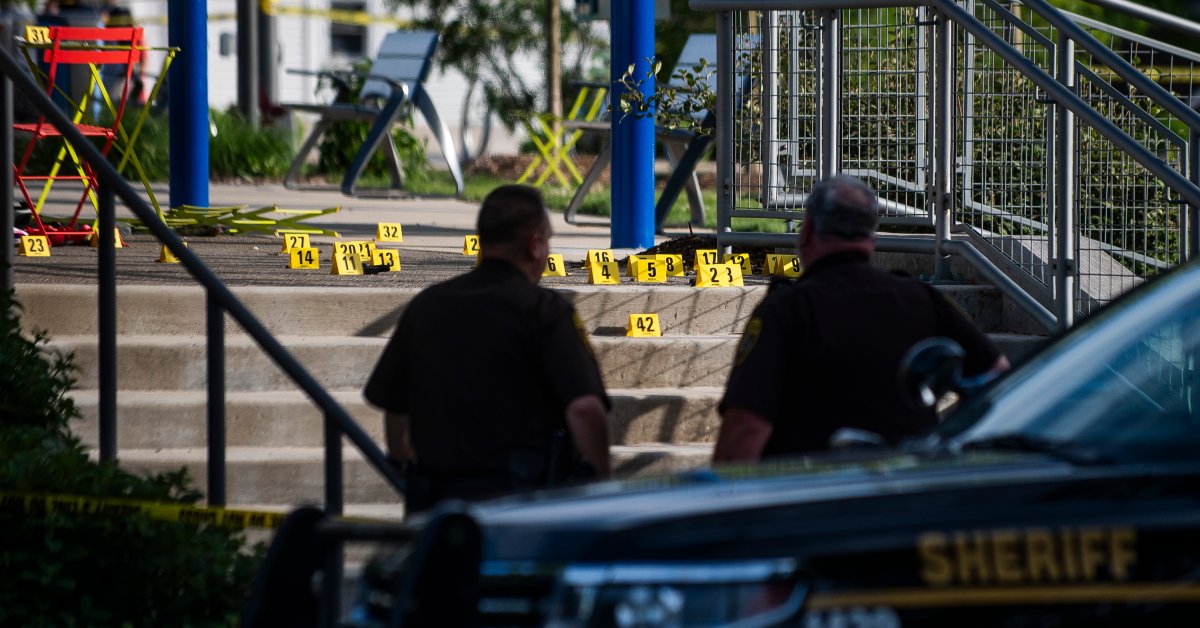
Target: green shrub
[[343, 139], [61, 569], [239, 149]]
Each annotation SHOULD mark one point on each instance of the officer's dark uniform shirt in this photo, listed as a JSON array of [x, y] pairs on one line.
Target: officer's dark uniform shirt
[[484, 364], [824, 353]]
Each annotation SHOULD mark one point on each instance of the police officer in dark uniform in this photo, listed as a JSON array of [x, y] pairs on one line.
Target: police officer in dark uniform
[[823, 353], [489, 383]]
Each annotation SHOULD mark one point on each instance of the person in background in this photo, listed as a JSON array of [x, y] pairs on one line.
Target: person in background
[[823, 353], [489, 383]]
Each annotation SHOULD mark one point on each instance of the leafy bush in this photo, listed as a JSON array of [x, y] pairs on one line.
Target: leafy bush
[[62, 569], [343, 139], [239, 149]]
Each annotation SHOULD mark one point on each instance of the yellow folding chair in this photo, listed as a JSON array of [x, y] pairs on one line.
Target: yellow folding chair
[[554, 147]]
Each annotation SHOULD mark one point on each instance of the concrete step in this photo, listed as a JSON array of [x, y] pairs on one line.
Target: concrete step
[[343, 363], [288, 477], [285, 418], [179, 362], [169, 310]]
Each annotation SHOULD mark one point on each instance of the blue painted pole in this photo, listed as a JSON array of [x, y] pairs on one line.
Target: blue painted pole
[[187, 22], [632, 138]]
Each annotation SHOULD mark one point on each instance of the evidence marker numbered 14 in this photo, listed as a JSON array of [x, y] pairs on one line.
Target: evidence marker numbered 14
[[305, 258]]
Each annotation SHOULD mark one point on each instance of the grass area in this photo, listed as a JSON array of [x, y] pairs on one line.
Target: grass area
[[597, 202]]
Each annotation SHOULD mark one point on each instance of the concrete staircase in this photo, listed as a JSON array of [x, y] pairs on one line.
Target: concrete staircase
[[665, 390]]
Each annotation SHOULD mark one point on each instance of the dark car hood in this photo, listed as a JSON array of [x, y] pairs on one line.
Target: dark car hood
[[551, 522]]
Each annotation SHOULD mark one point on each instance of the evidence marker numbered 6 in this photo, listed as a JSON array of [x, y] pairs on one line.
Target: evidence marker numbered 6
[[389, 232], [643, 325], [554, 266]]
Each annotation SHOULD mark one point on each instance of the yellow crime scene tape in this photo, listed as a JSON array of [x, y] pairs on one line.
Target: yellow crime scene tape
[[270, 7], [162, 511]]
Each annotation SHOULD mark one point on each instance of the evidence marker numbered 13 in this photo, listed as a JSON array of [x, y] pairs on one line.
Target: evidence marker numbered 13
[[386, 257], [643, 325], [389, 232], [554, 266]]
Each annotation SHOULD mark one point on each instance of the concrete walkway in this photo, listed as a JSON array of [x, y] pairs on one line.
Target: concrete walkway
[[433, 230]]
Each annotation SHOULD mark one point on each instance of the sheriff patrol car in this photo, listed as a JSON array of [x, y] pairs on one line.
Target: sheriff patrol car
[[1065, 493]]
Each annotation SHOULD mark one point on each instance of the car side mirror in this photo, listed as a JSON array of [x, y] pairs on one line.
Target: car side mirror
[[930, 369]]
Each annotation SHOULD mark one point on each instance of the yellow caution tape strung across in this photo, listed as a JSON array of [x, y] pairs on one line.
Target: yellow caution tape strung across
[[162, 511], [270, 7]]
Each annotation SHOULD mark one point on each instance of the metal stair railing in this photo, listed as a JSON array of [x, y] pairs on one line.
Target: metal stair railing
[[219, 300], [964, 115]]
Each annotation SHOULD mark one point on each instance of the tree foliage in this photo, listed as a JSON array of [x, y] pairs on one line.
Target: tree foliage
[[484, 38]]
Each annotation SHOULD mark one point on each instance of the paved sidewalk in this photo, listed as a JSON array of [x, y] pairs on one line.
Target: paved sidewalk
[[433, 230]]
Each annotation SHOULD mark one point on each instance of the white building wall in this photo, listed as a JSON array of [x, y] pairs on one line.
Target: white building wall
[[304, 43]]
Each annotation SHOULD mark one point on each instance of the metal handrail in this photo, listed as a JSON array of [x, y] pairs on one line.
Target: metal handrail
[[219, 299], [1154, 16]]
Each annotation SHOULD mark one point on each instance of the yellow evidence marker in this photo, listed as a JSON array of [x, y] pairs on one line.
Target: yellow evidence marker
[[673, 263], [294, 241], [34, 246], [643, 325], [788, 266], [769, 263], [718, 275], [389, 232], [599, 256], [366, 250], [554, 266], [650, 270], [346, 263], [741, 259], [118, 243], [386, 257], [707, 256], [304, 259], [604, 273], [165, 255], [631, 264], [471, 245]]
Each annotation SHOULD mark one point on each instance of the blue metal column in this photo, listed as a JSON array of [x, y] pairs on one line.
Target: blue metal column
[[632, 138], [187, 22]]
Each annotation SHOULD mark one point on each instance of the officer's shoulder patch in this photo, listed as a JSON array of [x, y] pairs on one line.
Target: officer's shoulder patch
[[749, 340]]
